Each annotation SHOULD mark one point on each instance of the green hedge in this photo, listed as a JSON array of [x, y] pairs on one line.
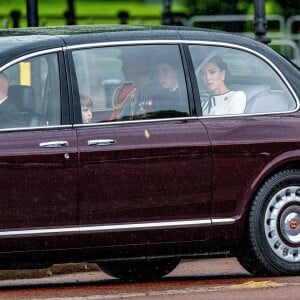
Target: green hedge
[[51, 12]]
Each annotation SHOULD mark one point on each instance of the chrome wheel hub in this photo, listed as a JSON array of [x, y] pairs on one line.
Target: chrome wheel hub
[[282, 224]]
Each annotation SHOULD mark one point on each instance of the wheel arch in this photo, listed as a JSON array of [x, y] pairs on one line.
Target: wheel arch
[[288, 160]]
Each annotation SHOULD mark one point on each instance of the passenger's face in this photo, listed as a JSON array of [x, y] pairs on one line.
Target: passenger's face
[[213, 77], [167, 76], [133, 69], [86, 114]]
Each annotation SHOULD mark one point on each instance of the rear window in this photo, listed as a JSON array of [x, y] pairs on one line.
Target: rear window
[[246, 85]]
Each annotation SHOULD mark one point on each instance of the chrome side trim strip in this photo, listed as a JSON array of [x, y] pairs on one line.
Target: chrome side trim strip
[[146, 226], [225, 221], [28, 56], [113, 228]]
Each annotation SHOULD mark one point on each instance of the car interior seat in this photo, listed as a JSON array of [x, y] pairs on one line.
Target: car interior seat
[[261, 99], [272, 102], [23, 98], [251, 90]]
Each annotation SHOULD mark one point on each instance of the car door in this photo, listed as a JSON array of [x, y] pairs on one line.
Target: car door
[[38, 159], [243, 143], [147, 175]]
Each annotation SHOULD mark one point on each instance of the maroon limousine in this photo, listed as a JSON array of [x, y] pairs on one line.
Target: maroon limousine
[[135, 147]]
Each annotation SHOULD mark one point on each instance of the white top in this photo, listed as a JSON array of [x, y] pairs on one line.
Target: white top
[[2, 100], [230, 103]]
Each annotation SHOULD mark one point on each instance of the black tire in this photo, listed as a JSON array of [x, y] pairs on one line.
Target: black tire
[[271, 244], [141, 270]]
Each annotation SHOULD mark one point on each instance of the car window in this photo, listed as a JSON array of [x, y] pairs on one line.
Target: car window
[[233, 82], [33, 93], [131, 83]]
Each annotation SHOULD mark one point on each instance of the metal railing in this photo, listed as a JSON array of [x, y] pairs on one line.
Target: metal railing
[[292, 21], [288, 48], [283, 40], [247, 21], [284, 34]]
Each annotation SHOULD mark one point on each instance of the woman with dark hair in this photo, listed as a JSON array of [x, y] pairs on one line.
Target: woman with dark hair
[[221, 101]]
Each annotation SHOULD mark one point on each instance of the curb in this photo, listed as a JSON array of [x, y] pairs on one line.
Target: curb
[[56, 269]]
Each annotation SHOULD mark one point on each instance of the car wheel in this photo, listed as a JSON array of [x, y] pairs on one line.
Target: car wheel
[[141, 270], [271, 245]]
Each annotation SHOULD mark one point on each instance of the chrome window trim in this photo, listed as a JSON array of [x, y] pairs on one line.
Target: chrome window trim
[[108, 123], [248, 114], [203, 43], [28, 56], [115, 228], [20, 59], [121, 43], [36, 128], [270, 63]]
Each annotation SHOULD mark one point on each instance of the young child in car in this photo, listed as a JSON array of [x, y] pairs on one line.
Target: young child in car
[[86, 109]]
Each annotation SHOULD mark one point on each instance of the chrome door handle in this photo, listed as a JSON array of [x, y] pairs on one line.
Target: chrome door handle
[[54, 144], [101, 142]]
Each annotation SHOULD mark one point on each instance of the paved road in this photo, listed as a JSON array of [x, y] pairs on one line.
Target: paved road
[[200, 279]]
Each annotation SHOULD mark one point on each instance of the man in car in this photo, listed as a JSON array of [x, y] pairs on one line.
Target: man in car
[[10, 116], [133, 98]]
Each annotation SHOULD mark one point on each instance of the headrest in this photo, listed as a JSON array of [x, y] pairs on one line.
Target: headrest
[[273, 102], [22, 96], [251, 90]]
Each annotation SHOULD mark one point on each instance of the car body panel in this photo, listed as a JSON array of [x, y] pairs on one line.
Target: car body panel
[[34, 183], [13, 47], [246, 146], [144, 177]]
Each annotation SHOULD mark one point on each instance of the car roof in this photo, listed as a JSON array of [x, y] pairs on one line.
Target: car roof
[[22, 41]]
